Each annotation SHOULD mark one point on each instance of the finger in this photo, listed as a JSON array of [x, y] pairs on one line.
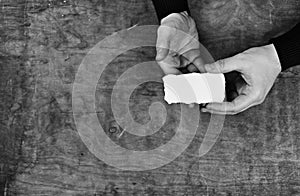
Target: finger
[[194, 57], [170, 70], [162, 43], [188, 43], [184, 61], [161, 53], [171, 61], [223, 66], [215, 112], [239, 104], [231, 95], [196, 64], [192, 68], [199, 64], [170, 64]]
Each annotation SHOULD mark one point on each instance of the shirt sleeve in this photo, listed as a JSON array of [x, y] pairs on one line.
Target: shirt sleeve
[[165, 7], [288, 48]]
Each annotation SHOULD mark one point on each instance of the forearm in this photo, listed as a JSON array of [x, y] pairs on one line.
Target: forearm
[[288, 48], [165, 7]]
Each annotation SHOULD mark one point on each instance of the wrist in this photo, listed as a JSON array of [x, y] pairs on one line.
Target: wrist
[[273, 55], [174, 16]]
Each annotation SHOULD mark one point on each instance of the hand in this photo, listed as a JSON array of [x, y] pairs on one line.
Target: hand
[[177, 44], [259, 67]]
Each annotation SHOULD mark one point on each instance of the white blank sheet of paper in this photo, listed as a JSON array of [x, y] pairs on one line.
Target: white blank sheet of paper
[[194, 88]]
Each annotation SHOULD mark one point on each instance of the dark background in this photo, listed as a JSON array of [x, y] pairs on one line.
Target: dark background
[[41, 46]]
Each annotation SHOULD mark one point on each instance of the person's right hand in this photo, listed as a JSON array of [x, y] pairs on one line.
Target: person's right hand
[[177, 44], [259, 67]]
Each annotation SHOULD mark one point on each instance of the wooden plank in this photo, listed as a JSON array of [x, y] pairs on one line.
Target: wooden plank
[[41, 153]]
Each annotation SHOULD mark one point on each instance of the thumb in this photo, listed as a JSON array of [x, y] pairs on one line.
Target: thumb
[[222, 66]]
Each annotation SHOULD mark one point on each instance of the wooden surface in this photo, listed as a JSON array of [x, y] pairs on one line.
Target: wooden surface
[[41, 153]]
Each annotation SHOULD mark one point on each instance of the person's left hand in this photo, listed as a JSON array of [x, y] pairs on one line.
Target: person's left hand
[[259, 67], [177, 44]]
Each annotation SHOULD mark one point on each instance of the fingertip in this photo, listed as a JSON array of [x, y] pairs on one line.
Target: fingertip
[[199, 61], [204, 110], [207, 106], [192, 68], [200, 68], [214, 106]]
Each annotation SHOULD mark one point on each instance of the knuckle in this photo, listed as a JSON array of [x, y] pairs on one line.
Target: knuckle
[[261, 99], [258, 97], [221, 64]]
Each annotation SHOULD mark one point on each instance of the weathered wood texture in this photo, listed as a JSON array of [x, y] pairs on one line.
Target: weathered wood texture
[[42, 45]]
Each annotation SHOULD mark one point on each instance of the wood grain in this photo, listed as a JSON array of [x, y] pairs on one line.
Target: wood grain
[[41, 153]]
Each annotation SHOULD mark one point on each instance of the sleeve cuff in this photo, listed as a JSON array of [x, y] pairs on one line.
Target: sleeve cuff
[[165, 7], [288, 48]]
